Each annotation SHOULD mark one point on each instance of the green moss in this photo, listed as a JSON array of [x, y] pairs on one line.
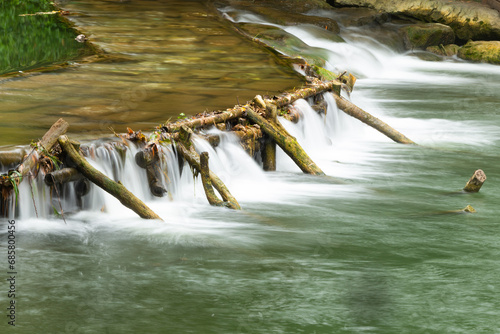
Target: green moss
[[481, 51]]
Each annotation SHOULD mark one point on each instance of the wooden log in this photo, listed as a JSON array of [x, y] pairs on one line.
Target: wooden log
[[64, 175], [153, 173], [475, 182], [317, 87], [288, 143], [279, 101], [352, 110], [205, 120], [188, 152], [249, 138], [148, 158], [47, 142], [268, 155], [116, 189], [9, 158], [207, 182]]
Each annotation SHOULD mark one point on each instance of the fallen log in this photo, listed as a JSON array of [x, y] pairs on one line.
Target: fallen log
[[30, 165], [10, 158], [64, 175], [352, 110], [148, 158], [187, 151], [116, 189], [303, 93], [205, 120], [288, 143], [207, 182], [249, 138], [475, 182]]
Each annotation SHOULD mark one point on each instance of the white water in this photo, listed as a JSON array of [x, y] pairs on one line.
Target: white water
[[343, 147], [305, 254]]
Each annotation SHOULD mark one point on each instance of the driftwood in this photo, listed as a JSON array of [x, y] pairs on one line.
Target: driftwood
[[148, 159], [11, 158], [475, 182], [288, 143], [114, 188], [62, 176], [356, 112], [205, 120], [30, 163], [187, 151], [207, 182], [303, 93]]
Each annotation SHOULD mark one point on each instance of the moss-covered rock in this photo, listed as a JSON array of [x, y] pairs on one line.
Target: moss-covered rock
[[469, 20], [421, 36], [481, 51], [444, 50]]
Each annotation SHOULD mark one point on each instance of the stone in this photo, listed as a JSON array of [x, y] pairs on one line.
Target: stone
[[421, 36], [481, 51], [444, 50], [469, 20]]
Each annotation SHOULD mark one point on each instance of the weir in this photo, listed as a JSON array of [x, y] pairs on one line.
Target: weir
[[316, 132]]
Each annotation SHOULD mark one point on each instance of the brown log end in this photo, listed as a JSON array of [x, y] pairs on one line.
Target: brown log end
[[475, 182]]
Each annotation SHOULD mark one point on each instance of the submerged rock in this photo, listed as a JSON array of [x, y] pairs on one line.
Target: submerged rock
[[285, 43], [421, 36], [481, 51]]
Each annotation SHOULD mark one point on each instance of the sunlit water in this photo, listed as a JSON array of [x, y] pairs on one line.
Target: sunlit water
[[376, 253], [170, 57]]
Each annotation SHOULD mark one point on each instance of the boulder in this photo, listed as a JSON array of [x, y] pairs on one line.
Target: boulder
[[481, 51], [469, 20], [444, 50], [421, 36]]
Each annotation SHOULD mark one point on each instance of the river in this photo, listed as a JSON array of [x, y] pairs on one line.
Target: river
[[379, 252]]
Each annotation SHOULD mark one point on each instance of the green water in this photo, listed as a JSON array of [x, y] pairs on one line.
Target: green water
[[28, 42], [174, 57], [380, 253]]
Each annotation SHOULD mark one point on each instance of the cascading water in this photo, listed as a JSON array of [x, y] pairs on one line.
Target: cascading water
[[378, 252]]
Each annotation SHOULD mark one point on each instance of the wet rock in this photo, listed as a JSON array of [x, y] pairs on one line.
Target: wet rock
[[427, 56], [290, 12], [285, 43], [421, 36], [469, 20], [481, 51], [360, 16], [444, 50]]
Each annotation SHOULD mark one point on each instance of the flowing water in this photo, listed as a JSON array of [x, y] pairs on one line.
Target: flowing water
[[379, 252]]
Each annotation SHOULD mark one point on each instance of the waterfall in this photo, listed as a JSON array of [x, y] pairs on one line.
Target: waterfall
[[342, 146]]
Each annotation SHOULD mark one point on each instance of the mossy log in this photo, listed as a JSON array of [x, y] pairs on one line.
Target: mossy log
[[10, 158], [288, 143], [205, 120], [475, 182], [187, 151], [114, 188], [148, 158], [303, 93], [207, 182], [64, 175], [249, 138], [30, 163], [352, 110]]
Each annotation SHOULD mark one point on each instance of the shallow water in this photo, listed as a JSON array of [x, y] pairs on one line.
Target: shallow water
[[177, 57], [377, 253]]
